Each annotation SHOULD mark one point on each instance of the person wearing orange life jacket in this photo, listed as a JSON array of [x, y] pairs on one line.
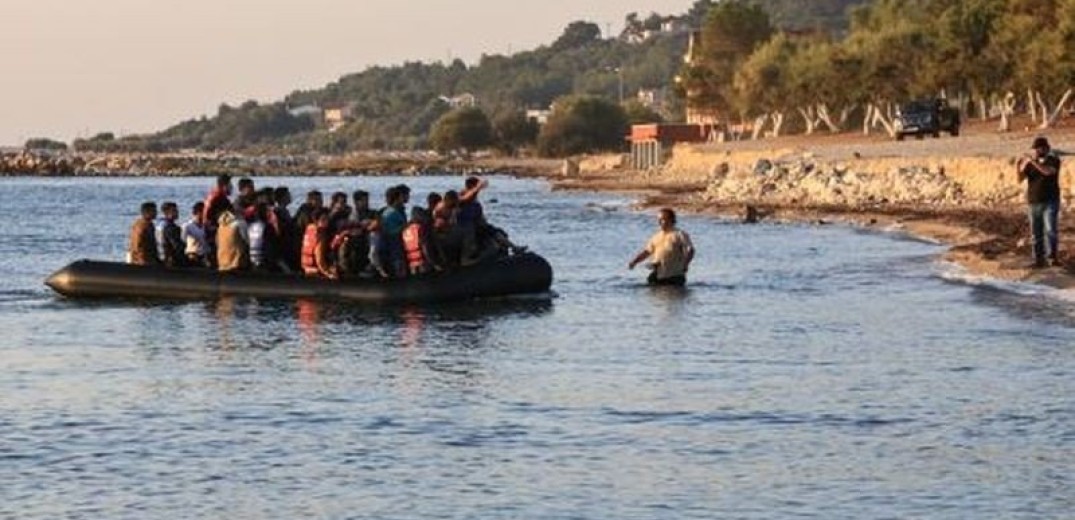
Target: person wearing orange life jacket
[[419, 252], [316, 252]]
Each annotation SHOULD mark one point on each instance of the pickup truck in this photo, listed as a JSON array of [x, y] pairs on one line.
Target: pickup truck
[[926, 117]]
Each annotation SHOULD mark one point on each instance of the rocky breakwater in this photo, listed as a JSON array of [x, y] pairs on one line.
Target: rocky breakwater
[[806, 180], [52, 164]]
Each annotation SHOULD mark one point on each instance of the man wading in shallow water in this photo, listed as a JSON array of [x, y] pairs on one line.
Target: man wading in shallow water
[[672, 252], [1042, 174]]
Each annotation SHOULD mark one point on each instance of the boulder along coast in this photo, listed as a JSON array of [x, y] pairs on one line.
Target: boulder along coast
[[961, 191]]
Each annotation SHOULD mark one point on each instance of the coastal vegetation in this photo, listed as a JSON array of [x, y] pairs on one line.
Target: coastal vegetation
[[396, 107], [768, 66], [988, 57]]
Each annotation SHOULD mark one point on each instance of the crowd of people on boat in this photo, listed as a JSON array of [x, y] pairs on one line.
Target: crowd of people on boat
[[344, 239]]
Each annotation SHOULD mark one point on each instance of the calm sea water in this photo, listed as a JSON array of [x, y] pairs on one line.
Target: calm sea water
[[808, 371]]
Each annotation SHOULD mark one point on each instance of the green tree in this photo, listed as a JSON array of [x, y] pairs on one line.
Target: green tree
[[639, 114], [733, 30], [44, 143], [578, 34], [583, 124], [513, 130], [465, 129]]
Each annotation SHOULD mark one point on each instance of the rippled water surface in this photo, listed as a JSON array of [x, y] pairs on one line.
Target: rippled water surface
[[807, 372]]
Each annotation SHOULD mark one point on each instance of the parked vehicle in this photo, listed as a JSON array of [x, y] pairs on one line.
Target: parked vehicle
[[926, 117]]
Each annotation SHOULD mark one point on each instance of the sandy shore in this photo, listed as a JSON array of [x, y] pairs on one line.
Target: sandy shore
[[958, 191]]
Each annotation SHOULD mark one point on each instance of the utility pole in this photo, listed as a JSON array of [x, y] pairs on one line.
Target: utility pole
[[619, 73], [619, 78]]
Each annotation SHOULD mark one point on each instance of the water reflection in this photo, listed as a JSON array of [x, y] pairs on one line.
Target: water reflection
[[413, 324], [671, 301], [309, 316]]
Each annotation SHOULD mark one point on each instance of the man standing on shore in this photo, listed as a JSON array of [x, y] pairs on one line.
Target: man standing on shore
[[671, 250], [1042, 174]]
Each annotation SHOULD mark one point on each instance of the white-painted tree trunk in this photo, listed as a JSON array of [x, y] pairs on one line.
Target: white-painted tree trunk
[[867, 119], [759, 126], [884, 118], [1059, 111], [1050, 121], [777, 118], [1007, 110], [810, 118], [1031, 106], [1039, 101], [838, 125], [983, 110]]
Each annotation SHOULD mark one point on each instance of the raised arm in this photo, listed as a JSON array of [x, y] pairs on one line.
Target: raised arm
[[469, 195]]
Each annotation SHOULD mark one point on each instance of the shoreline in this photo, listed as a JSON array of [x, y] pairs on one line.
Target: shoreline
[[979, 251], [957, 192], [966, 199]]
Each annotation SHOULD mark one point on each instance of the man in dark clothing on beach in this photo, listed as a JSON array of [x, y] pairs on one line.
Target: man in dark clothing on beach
[[1042, 174]]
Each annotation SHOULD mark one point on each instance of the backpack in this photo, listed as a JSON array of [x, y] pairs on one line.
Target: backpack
[[353, 254]]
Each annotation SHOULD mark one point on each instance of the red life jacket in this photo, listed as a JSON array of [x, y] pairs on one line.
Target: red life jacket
[[412, 245], [309, 250]]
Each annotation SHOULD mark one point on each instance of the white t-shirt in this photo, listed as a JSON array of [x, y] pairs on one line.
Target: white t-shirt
[[669, 251], [193, 236], [256, 231]]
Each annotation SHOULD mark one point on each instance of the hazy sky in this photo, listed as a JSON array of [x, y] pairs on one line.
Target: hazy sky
[[76, 67]]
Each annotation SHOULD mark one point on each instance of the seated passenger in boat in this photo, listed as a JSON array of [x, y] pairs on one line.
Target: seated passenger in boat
[[362, 213], [304, 215], [404, 192], [265, 242], [351, 248], [216, 202], [317, 261], [193, 236], [247, 197], [376, 265], [142, 248], [432, 200], [418, 244], [446, 234], [338, 208], [232, 243], [393, 220], [290, 237], [483, 239], [169, 237]]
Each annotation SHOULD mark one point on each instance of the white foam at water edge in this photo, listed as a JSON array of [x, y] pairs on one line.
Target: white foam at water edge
[[954, 272], [613, 205]]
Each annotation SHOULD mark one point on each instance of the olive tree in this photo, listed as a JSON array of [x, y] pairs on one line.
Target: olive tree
[[466, 129], [583, 124]]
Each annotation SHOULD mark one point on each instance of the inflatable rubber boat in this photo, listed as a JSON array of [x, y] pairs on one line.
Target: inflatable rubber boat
[[526, 273]]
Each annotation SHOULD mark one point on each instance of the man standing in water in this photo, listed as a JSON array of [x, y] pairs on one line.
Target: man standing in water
[[1042, 174], [672, 252]]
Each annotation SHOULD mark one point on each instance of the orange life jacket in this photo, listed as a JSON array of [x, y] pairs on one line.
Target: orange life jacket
[[309, 250], [412, 245]]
